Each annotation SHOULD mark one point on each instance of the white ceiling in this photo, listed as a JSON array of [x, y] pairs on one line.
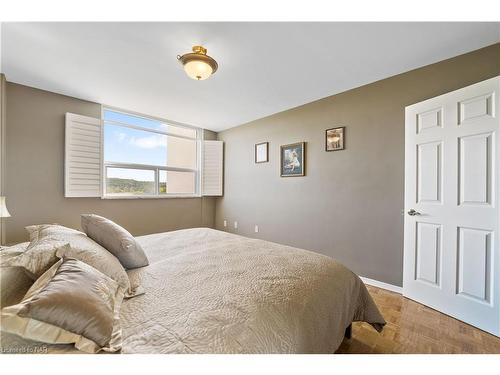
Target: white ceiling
[[264, 68]]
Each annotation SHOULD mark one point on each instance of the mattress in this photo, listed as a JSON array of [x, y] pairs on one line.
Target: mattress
[[208, 291]]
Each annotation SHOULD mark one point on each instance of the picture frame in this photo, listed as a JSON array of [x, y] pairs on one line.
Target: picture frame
[[261, 152], [293, 160], [335, 139]]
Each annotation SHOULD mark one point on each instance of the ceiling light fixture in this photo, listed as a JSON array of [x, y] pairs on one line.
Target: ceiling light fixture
[[198, 65]]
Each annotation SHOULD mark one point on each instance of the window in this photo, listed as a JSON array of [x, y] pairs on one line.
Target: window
[[148, 157]]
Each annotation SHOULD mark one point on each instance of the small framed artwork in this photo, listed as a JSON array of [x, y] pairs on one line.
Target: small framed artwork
[[293, 160], [335, 139], [262, 152]]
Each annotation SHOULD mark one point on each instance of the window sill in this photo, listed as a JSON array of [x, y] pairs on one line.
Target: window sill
[[111, 197]]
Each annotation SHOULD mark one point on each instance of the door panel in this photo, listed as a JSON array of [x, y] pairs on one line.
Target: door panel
[[451, 255], [476, 164], [475, 108], [474, 264], [429, 172], [430, 119], [428, 250]]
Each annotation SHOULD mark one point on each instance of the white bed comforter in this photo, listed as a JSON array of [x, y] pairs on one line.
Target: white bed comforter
[[212, 292]]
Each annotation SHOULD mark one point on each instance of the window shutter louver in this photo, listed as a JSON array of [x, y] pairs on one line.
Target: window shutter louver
[[83, 156], [212, 168]]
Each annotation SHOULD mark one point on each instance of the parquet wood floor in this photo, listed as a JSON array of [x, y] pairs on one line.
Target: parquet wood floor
[[414, 328]]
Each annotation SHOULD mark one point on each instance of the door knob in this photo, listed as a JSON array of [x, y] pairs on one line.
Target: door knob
[[412, 212]]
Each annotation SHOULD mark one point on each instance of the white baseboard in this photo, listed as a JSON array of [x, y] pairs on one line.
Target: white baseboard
[[380, 284]]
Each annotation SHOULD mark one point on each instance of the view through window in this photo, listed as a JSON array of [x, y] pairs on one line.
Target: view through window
[[148, 157]]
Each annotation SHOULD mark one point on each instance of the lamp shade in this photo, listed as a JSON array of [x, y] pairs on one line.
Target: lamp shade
[[198, 65], [198, 70], [3, 208]]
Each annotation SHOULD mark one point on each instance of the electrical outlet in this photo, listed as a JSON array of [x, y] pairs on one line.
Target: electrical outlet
[[225, 223], [235, 225], [256, 229]]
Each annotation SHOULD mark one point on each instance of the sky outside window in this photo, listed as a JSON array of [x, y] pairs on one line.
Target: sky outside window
[[134, 146], [126, 145], [134, 120]]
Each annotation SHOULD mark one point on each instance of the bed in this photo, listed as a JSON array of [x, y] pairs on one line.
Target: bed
[[208, 291]]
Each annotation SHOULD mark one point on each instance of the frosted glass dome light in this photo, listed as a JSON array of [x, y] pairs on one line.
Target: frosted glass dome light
[[198, 65]]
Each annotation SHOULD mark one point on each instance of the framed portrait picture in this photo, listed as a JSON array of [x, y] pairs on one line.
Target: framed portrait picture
[[335, 139], [293, 160], [262, 152]]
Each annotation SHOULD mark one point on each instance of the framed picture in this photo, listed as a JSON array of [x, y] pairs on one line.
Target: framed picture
[[262, 152], [335, 139], [293, 160]]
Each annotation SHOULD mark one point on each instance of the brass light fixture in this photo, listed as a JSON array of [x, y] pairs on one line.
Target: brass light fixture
[[198, 65]]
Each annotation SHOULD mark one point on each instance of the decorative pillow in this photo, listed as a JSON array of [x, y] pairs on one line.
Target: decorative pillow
[[9, 252], [45, 230], [14, 281], [19, 248], [117, 240], [39, 256], [86, 250], [70, 303]]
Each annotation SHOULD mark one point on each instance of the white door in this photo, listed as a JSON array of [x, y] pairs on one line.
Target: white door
[[452, 188]]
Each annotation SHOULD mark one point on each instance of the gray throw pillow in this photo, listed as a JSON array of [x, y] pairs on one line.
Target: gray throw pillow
[[115, 239], [82, 248], [38, 257], [14, 281], [70, 303]]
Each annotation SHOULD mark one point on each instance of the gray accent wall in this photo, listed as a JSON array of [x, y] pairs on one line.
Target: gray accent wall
[[34, 183], [349, 204]]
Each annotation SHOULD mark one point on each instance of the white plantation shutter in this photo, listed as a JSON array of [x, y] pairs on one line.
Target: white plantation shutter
[[83, 156], [212, 168]]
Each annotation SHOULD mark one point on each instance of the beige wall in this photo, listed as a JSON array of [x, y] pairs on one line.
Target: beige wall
[[35, 169], [349, 204]]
